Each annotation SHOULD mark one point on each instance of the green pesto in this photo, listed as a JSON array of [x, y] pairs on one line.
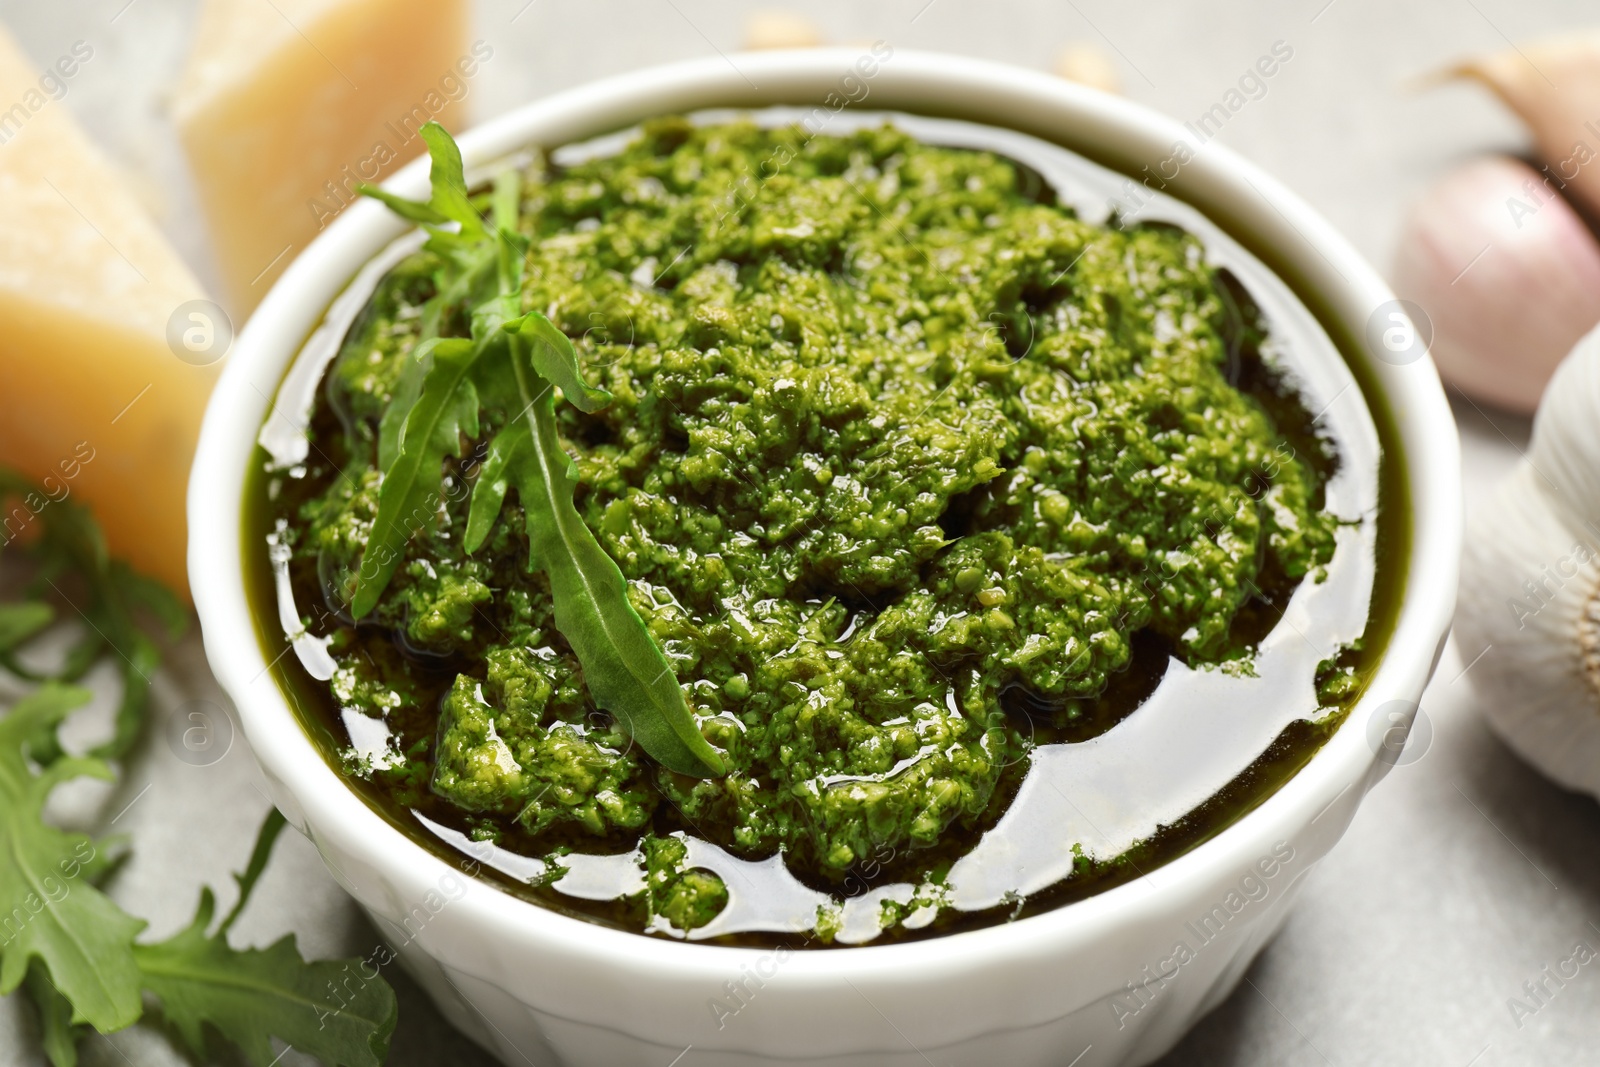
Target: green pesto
[[891, 441]]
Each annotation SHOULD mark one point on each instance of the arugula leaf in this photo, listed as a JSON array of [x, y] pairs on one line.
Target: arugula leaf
[[448, 180], [252, 995], [18, 622], [137, 664], [74, 547], [517, 360], [57, 1032], [471, 270], [468, 279], [534, 340], [72, 948], [408, 499], [449, 201], [625, 670], [556, 361], [422, 213], [435, 400], [510, 246], [409, 385], [489, 490], [329, 1008], [406, 390], [140, 591], [445, 408], [266, 837], [49, 910], [476, 261]]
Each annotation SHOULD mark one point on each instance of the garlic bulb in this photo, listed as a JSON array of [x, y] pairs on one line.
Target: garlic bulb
[[1528, 625], [1508, 275], [1554, 87]]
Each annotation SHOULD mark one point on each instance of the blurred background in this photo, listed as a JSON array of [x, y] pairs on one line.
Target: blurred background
[[1345, 124], [1462, 878]]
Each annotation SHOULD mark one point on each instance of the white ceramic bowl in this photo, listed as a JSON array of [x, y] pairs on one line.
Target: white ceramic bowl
[[1093, 983]]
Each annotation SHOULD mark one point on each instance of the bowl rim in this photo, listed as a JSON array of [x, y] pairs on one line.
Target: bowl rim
[[937, 84]]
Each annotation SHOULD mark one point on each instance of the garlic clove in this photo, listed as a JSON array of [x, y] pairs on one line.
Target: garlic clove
[[1085, 64], [1528, 621], [1508, 274], [1565, 449], [780, 29], [1554, 87]]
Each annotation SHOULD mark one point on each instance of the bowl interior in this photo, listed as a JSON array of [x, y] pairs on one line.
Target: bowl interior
[[1327, 274]]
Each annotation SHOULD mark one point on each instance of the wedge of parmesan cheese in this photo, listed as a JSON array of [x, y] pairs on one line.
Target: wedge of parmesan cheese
[[98, 409], [285, 106]]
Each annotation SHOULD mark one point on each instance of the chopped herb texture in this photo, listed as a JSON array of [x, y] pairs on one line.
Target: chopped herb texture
[[881, 463]]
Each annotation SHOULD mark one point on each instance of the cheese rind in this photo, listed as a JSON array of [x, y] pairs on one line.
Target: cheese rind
[[98, 408], [284, 106]]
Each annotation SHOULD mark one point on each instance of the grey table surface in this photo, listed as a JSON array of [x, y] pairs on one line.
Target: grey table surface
[[1464, 874]]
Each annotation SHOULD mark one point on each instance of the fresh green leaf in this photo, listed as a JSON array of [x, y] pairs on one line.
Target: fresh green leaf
[[71, 946], [142, 592], [57, 1032], [475, 270], [536, 343], [449, 201], [18, 622], [331, 1009], [469, 280], [507, 202], [72, 556], [510, 246], [408, 499], [252, 995], [81, 657], [408, 386], [49, 911], [625, 670], [72, 541], [425, 214], [489, 490], [448, 177], [520, 358], [442, 406], [266, 837], [136, 663], [393, 421], [556, 361]]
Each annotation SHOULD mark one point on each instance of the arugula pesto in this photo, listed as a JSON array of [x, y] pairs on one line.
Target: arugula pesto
[[898, 467]]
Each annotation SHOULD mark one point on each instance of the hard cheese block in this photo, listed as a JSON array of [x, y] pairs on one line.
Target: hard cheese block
[[286, 105], [98, 409]]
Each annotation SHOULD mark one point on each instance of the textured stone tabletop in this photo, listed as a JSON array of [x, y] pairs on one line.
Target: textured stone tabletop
[[1464, 874]]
